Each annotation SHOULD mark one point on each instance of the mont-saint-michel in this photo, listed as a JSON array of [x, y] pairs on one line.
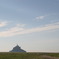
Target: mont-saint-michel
[[17, 49]]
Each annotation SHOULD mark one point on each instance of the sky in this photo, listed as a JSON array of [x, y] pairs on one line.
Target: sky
[[32, 24]]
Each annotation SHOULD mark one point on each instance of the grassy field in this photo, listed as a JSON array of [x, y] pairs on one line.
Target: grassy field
[[29, 55]]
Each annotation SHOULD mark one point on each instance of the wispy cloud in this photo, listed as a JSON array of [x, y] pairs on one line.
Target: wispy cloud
[[40, 17], [20, 30], [21, 25], [2, 24]]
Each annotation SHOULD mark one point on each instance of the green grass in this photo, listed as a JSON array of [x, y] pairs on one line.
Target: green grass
[[26, 55]]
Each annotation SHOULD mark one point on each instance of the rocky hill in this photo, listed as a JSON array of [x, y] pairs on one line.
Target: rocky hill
[[17, 49]]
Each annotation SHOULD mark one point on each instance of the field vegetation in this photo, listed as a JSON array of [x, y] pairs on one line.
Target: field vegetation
[[9, 55]]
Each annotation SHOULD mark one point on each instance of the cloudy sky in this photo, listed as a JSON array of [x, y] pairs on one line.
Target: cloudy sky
[[32, 24]]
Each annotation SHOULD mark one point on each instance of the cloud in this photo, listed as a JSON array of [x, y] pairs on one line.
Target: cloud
[[2, 24], [40, 17], [21, 25], [20, 30]]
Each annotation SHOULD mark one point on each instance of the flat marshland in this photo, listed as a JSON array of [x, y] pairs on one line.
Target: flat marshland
[[9, 55]]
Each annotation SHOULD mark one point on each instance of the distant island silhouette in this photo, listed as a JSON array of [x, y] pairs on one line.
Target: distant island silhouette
[[17, 49]]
